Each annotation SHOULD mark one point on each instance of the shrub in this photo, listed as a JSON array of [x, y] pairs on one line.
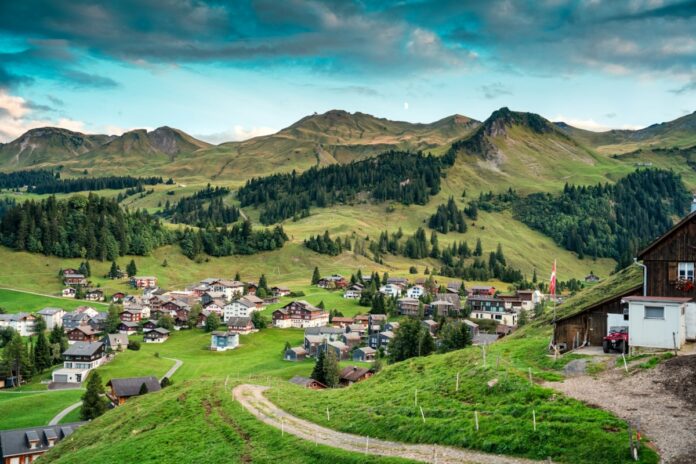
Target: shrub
[[134, 345]]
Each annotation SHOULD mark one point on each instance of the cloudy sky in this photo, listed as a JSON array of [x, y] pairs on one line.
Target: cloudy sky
[[226, 72]]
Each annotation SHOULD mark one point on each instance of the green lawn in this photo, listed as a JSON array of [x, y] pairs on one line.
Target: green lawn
[[31, 409], [14, 301], [195, 421]]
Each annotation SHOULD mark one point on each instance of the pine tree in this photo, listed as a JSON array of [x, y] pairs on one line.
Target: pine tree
[[42, 353], [316, 276], [237, 277], [93, 405], [114, 271], [263, 284], [478, 251], [16, 358], [132, 269], [59, 341], [318, 371], [212, 322], [331, 370]]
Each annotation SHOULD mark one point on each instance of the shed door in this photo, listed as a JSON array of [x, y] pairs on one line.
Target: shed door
[[61, 378], [597, 323]]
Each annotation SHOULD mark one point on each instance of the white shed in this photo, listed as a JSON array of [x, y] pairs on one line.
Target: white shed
[[656, 322]]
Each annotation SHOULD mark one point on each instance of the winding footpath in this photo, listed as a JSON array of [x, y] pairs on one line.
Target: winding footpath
[[252, 399], [59, 417]]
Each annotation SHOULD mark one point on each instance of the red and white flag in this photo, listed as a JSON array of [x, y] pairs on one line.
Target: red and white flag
[[552, 282]]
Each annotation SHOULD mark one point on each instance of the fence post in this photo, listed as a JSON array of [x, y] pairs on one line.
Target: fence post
[[534, 419], [476, 420], [457, 381], [328, 416], [422, 415]]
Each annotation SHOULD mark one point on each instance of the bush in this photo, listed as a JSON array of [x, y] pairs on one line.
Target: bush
[[413, 270], [134, 345], [165, 382], [297, 294]]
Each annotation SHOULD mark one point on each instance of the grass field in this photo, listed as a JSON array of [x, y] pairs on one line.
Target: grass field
[[499, 393], [14, 301], [196, 421], [31, 409]]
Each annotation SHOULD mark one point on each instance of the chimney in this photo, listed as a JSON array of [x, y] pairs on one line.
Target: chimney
[[693, 204]]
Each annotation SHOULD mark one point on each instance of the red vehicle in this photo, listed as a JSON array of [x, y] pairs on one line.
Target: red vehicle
[[617, 340]]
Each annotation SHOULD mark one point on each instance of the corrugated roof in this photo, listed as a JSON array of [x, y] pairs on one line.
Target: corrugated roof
[[131, 386]]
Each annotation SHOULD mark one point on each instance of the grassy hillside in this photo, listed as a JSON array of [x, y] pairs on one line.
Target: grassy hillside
[[196, 421], [13, 301], [33, 409]]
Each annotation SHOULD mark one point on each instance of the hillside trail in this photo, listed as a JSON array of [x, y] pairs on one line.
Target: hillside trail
[[251, 397], [660, 399]]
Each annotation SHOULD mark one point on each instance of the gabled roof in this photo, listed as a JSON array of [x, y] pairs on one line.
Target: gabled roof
[[117, 339], [83, 349], [353, 373], [131, 386], [305, 381], [15, 442], [685, 220], [239, 322], [49, 311]]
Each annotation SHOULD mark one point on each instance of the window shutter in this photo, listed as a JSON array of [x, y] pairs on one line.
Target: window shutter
[[672, 271]]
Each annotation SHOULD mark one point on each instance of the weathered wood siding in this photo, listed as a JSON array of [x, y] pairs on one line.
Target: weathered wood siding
[[678, 245]]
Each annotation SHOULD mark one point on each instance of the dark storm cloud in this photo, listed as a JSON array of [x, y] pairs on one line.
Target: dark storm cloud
[[397, 37]]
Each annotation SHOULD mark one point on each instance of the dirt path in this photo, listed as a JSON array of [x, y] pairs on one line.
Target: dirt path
[[252, 398], [642, 396], [174, 368], [59, 417]]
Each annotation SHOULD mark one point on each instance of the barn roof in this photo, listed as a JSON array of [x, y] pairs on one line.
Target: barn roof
[[131, 386], [625, 282]]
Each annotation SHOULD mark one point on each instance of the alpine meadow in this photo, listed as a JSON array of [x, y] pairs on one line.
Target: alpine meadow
[[315, 231]]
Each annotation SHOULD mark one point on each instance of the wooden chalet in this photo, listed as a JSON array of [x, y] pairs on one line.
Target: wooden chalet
[[123, 389], [23, 446], [353, 374], [83, 333], [158, 335], [306, 382]]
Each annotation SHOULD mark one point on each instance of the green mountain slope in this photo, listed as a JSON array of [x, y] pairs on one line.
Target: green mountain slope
[[679, 133], [48, 146], [322, 139]]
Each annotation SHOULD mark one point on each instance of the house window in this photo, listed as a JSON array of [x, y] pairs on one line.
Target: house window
[[654, 312], [686, 271]]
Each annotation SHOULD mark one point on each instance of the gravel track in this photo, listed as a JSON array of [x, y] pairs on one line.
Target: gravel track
[[252, 398]]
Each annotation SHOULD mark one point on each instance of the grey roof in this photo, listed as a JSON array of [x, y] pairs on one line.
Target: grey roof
[[117, 339], [366, 350], [304, 381], [83, 349], [160, 330], [238, 321], [129, 324], [15, 442], [221, 333], [324, 330], [131, 386], [484, 339], [49, 311]]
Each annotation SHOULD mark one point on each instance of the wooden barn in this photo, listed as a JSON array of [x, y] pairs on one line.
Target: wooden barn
[[589, 324]]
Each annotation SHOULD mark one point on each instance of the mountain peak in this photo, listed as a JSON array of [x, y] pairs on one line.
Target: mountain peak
[[500, 120]]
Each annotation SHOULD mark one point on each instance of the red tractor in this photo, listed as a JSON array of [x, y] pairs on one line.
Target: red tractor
[[617, 340]]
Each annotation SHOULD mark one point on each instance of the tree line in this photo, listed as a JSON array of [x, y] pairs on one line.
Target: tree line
[[604, 220], [43, 181], [409, 178], [194, 211], [95, 227]]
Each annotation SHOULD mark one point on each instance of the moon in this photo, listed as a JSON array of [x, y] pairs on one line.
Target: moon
[[406, 106]]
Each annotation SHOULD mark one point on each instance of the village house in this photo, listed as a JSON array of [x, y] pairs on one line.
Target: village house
[[353, 374], [230, 288], [131, 315], [306, 382], [408, 306], [127, 327], [118, 297], [94, 294], [352, 294], [454, 287], [359, 329], [149, 325], [69, 292], [364, 354], [240, 325], [78, 360], [390, 290], [74, 279], [297, 353], [431, 326], [20, 446], [280, 291], [300, 314], [446, 304], [481, 291], [144, 282], [530, 298], [98, 322], [392, 326], [486, 307], [332, 281], [380, 339], [223, 341], [116, 342], [415, 292], [74, 319], [591, 278], [83, 333], [339, 349], [120, 390], [52, 317], [341, 322], [23, 323], [156, 335], [243, 307], [351, 339]]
